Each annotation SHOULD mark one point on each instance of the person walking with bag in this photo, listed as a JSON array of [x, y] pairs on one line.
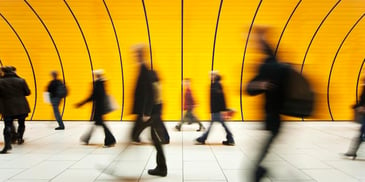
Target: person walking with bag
[[98, 97], [57, 91], [13, 92], [217, 109]]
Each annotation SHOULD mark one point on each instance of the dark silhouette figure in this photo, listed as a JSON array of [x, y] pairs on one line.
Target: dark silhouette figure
[[141, 95], [159, 133], [217, 109], [98, 97], [271, 81], [13, 92], [55, 98], [355, 145]]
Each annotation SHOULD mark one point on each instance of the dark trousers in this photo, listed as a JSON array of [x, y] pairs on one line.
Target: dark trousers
[[55, 104], [8, 120], [109, 138], [218, 117], [138, 127], [358, 140], [158, 136], [273, 125]]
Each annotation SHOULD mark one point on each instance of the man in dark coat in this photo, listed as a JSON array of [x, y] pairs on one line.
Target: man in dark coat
[[217, 109], [271, 80], [13, 92], [55, 99], [142, 94], [98, 98]]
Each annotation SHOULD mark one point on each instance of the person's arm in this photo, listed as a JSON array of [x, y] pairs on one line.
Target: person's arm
[[26, 89]]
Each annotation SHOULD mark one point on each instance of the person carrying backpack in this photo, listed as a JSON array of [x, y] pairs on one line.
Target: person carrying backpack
[[57, 91]]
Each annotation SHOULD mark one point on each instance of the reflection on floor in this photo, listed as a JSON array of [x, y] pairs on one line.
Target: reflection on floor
[[305, 151]]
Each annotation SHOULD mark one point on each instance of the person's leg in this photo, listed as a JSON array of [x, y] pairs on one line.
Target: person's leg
[[273, 124], [7, 133], [55, 104], [13, 134], [139, 126], [229, 136], [21, 128], [161, 169], [201, 139], [355, 144], [184, 120]]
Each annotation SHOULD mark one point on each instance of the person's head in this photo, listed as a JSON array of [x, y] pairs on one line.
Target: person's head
[[187, 82], [8, 70], [139, 52], [213, 75], [98, 73], [54, 74]]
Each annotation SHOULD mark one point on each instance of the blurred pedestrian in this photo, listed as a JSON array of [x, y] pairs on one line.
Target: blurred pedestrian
[[53, 88], [217, 109], [13, 92], [141, 94], [356, 142], [189, 105], [98, 97], [271, 81], [159, 133]]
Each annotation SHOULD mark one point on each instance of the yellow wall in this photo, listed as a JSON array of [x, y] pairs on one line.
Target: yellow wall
[[75, 37]]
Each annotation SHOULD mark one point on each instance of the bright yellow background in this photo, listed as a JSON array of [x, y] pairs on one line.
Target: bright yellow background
[[182, 46]]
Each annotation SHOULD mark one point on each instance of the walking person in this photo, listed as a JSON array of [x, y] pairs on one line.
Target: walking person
[[271, 80], [189, 105], [13, 92], [217, 109], [159, 133], [141, 94], [355, 144], [98, 97], [55, 98]]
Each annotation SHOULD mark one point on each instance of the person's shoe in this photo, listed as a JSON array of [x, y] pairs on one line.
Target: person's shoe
[[165, 142], [178, 128], [157, 172], [60, 128], [20, 141], [136, 141], [5, 150], [231, 143], [201, 128], [260, 172], [84, 141], [353, 155], [200, 141], [109, 145]]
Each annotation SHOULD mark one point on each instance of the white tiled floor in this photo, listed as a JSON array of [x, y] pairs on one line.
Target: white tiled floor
[[304, 152]]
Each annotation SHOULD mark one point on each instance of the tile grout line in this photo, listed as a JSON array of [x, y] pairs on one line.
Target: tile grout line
[[218, 163]]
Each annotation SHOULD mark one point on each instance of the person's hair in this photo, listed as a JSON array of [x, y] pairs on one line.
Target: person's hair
[[54, 74]]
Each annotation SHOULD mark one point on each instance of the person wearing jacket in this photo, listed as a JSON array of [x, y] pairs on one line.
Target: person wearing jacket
[[142, 93], [189, 105], [98, 97], [217, 109], [271, 80], [13, 92], [55, 99]]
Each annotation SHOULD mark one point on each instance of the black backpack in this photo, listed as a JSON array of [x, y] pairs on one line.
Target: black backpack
[[61, 91], [299, 96]]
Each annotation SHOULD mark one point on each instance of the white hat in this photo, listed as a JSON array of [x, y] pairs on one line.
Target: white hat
[[98, 72]]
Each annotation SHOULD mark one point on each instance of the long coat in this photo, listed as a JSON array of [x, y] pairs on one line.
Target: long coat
[[143, 92], [217, 100], [97, 97], [13, 92]]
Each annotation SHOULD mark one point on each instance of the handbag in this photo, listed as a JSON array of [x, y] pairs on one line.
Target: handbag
[[109, 104]]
